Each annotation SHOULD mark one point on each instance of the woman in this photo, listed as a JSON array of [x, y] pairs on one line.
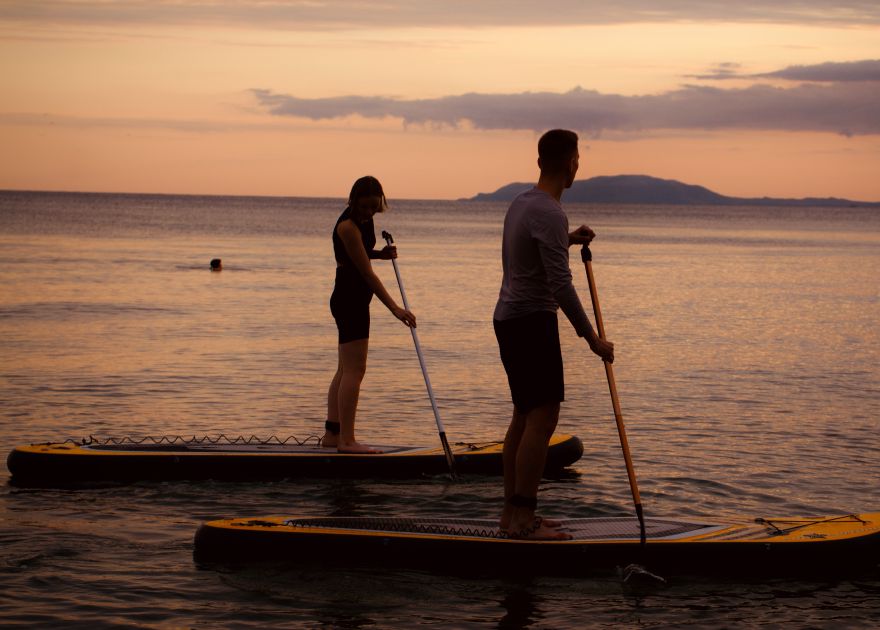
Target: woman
[[354, 240]]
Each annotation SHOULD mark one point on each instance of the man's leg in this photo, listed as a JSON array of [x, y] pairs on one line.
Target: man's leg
[[531, 455], [511, 447]]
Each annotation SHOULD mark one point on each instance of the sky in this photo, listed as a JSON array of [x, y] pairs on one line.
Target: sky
[[439, 99]]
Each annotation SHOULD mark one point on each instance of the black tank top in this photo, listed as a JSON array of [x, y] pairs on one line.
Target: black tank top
[[346, 273], [368, 236]]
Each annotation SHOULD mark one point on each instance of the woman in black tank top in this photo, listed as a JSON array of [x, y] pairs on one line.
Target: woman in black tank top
[[354, 241]]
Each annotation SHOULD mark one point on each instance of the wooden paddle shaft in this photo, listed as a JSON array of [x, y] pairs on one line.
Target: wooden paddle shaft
[[609, 372]]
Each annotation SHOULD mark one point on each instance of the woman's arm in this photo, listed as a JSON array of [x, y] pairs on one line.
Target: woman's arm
[[386, 253], [354, 247]]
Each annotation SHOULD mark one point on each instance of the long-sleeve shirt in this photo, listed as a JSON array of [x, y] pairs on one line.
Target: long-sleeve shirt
[[534, 258]]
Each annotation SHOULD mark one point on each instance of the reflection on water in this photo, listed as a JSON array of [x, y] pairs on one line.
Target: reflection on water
[[747, 368]]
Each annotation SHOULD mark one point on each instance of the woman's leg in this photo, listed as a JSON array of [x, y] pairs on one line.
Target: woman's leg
[[353, 361], [330, 438]]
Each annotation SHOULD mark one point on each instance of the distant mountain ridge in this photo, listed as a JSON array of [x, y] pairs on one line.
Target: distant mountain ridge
[[643, 189]]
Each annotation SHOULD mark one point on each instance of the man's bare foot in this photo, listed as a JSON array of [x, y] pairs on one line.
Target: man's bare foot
[[329, 440], [538, 530], [507, 515], [355, 448]]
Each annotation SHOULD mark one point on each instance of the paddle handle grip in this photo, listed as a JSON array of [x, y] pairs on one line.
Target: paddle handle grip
[[586, 254]]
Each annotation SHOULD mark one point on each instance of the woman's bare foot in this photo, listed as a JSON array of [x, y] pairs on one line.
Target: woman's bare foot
[[331, 434], [355, 448], [538, 530]]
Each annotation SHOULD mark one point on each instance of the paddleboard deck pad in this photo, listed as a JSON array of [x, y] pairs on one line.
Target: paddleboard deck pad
[[758, 547], [233, 459]]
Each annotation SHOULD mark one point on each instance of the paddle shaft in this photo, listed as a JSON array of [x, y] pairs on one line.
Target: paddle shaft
[[587, 257], [450, 460]]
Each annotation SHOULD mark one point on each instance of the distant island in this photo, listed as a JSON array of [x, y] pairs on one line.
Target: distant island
[[643, 189]]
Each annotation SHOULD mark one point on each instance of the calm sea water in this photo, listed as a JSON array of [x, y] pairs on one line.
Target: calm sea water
[[748, 368]]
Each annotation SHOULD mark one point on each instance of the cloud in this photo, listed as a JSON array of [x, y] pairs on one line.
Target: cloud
[[847, 108], [720, 72], [831, 72], [338, 14], [867, 70]]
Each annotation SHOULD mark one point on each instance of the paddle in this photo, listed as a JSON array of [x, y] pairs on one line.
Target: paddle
[[587, 257], [450, 460]]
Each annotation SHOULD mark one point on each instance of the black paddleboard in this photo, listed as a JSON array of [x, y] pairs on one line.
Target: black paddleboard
[[759, 547], [126, 460]]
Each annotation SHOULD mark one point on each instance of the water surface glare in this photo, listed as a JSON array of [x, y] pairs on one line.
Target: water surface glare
[[747, 367]]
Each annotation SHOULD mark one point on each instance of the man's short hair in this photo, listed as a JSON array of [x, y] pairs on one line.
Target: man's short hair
[[556, 148]]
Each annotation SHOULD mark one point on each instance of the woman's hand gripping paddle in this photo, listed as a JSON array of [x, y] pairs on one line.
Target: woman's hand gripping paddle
[[450, 460], [587, 257]]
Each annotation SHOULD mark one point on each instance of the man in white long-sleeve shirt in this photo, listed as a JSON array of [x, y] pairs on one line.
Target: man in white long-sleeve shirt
[[537, 281]]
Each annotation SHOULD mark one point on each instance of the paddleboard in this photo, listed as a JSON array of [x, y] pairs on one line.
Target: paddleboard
[[758, 547], [126, 460]]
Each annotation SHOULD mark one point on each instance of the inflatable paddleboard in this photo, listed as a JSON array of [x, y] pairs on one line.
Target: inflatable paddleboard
[[757, 546], [125, 460]]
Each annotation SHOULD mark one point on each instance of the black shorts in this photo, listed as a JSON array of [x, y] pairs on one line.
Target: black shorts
[[351, 310], [532, 359]]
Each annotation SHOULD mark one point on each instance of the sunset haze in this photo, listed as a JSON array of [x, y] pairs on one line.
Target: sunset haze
[[438, 99]]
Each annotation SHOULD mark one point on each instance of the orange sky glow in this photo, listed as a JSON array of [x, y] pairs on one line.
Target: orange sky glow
[[437, 99]]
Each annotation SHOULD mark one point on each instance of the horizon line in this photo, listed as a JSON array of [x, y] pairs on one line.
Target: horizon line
[[468, 199]]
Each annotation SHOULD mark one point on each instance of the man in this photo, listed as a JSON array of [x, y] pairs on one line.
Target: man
[[537, 281]]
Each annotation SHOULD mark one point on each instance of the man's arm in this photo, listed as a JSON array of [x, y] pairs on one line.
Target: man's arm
[[553, 241], [550, 232]]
